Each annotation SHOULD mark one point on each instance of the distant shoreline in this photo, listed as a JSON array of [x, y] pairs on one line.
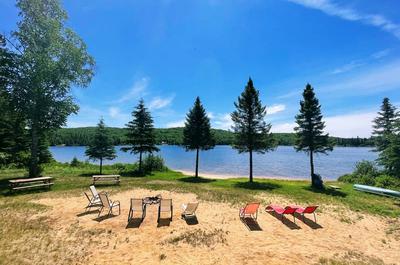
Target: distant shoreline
[[227, 176]]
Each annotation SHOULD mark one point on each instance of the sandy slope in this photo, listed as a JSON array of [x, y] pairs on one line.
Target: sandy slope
[[219, 237]]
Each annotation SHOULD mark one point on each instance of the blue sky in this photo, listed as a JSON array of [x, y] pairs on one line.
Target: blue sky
[[168, 52]]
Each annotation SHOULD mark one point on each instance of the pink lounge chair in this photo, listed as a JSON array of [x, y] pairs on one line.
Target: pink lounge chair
[[308, 210], [279, 210], [250, 210]]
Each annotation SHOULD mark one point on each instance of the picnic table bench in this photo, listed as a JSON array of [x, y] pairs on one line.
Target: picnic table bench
[[26, 183], [114, 178]]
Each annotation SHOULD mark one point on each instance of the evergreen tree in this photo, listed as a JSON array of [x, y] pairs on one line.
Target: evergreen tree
[[140, 136], [384, 125], [101, 146], [252, 133], [53, 58], [390, 156], [197, 132], [310, 137]]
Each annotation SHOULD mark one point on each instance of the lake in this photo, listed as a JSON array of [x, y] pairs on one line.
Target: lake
[[284, 162]]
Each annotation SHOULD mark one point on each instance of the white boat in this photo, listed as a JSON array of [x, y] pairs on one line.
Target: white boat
[[377, 190]]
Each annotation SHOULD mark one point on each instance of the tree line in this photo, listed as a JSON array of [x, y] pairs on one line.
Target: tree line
[[174, 136]]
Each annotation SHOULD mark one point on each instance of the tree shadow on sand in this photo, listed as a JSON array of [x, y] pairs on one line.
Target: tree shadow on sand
[[327, 191], [196, 180], [257, 185]]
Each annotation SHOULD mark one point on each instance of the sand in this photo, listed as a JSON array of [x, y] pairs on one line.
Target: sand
[[219, 237]]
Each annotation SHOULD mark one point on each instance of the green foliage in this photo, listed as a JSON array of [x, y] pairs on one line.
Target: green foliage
[[390, 156], [101, 147], [252, 133], [81, 137], [310, 137], [140, 136], [197, 132], [75, 162], [153, 163], [53, 58], [384, 124], [367, 173]]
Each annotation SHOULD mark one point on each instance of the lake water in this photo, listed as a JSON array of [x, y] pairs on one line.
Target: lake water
[[284, 162]]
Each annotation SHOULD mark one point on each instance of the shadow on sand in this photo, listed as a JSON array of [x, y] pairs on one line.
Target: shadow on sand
[[191, 220], [251, 224], [163, 222], [104, 217], [134, 223], [290, 224], [311, 223], [87, 213]]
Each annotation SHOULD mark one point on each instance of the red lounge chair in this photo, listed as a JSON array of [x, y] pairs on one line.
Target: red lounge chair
[[250, 210], [279, 210], [309, 210]]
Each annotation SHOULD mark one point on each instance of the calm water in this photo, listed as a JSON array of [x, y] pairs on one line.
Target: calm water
[[223, 160]]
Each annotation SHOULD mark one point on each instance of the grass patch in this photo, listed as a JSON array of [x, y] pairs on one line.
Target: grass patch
[[199, 237], [351, 258]]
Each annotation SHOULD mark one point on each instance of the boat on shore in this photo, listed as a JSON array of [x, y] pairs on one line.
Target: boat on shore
[[377, 190]]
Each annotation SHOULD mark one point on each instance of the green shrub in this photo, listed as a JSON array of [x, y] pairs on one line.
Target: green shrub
[[153, 163], [366, 168], [75, 162], [386, 181]]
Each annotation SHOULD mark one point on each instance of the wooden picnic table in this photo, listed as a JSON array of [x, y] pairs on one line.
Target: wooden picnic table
[[26, 183], [114, 178]]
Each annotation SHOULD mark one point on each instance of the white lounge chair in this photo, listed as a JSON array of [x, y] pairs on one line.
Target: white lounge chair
[[165, 207], [94, 192], [106, 203], [137, 205], [92, 202], [189, 210]]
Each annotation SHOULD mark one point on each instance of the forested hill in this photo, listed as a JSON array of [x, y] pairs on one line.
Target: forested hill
[[82, 136]]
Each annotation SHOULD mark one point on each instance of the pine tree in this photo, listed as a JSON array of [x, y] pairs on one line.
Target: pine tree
[[101, 146], [310, 137], [252, 133], [384, 125], [140, 136], [390, 156], [197, 132]]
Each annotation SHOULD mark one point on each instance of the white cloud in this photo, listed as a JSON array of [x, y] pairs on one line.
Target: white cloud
[[113, 111], [350, 125], [159, 103], [376, 79], [333, 9], [345, 125], [223, 121], [136, 91], [380, 54], [347, 67], [276, 108], [283, 127], [174, 124]]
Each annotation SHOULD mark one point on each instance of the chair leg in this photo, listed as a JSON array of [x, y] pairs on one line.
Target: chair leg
[[315, 218], [172, 212], [294, 218]]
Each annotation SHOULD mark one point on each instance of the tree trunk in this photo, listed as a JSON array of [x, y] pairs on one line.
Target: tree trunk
[[312, 165], [101, 165], [140, 162], [33, 165], [197, 163], [251, 166]]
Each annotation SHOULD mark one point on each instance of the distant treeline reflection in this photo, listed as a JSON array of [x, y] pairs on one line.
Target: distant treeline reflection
[[82, 137]]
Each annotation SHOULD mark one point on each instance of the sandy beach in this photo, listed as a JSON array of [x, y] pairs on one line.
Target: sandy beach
[[218, 236]]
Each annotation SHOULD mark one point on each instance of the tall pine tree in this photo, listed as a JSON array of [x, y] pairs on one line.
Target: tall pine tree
[[384, 125], [197, 132], [252, 133], [141, 137], [101, 147], [310, 137]]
